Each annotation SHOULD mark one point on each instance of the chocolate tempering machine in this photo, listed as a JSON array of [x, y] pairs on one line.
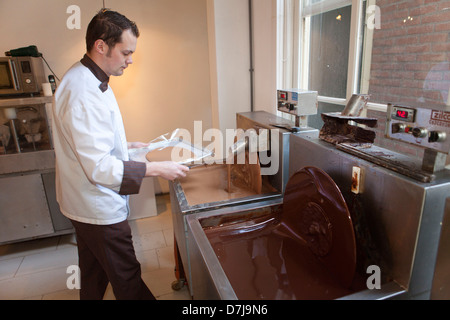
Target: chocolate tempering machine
[[204, 189], [356, 221]]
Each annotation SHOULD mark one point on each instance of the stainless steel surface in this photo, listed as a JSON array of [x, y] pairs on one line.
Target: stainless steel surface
[[29, 161], [398, 162], [26, 73], [27, 180], [60, 222], [14, 134], [404, 215], [423, 127], [441, 280], [24, 210], [261, 120], [355, 105], [426, 127], [208, 277], [390, 290], [28, 198], [297, 102], [5, 103]]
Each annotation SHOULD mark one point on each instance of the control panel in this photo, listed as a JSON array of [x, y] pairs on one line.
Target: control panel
[[297, 102], [424, 127]]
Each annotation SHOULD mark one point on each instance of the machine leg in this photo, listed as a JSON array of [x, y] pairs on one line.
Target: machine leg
[[179, 270]]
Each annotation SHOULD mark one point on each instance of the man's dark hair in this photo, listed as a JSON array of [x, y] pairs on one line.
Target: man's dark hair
[[108, 26]]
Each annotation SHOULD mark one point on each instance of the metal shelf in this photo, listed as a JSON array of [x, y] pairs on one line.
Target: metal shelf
[[14, 102]]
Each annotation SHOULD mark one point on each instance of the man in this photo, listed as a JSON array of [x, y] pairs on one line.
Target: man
[[94, 175]]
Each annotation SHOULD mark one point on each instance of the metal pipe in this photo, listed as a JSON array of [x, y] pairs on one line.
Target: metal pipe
[[14, 134]]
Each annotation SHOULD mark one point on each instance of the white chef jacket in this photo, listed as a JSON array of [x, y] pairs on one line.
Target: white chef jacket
[[90, 147]]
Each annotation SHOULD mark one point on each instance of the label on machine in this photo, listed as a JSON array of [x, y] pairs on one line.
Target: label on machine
[[424, 127]]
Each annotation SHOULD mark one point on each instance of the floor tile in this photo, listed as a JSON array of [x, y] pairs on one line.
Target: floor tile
[[148, 259], [22, 249], [159, 281], [63, 295], [48, 260], [147, 241], [33, 284], [8, 268]]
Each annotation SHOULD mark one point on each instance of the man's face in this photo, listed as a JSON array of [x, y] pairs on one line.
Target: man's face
[[119, 57]]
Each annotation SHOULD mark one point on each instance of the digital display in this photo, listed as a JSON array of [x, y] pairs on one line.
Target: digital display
[[404, 114], [282, 95], [26, 67]]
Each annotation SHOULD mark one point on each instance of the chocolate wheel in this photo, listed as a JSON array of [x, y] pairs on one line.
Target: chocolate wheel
[[315, 212]]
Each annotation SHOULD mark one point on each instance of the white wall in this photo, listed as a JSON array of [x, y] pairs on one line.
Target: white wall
[[232, 48], [265, 48], [168, 84], [228, 23]]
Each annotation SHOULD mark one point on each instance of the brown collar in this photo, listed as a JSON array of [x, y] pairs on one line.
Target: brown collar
[[97, 71]]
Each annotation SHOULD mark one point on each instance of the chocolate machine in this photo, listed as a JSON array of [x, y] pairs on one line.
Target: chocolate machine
[[205, 188], [355, 221]]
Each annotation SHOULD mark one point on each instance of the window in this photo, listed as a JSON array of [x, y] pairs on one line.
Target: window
[[395, 51], [328, 52], [323, 56]]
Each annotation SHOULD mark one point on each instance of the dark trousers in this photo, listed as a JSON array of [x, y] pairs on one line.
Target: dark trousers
[[106, 254]]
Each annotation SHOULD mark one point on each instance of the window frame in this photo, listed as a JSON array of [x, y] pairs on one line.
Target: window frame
[[293, 62]]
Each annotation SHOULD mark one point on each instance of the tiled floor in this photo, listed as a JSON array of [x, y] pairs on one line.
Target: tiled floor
[[37, 270]]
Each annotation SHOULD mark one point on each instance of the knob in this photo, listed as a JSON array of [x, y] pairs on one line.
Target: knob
[[437, 136], [28, 81], [419, 132], [398, 127]]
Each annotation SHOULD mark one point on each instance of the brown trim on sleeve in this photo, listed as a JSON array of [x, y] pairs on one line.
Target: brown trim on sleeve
[[133, 174]]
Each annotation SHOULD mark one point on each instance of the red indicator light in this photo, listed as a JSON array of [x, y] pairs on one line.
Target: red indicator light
[[402, 114]]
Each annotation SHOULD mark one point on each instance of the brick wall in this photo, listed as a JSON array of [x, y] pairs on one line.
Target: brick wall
[[411, 50], [410, 60]]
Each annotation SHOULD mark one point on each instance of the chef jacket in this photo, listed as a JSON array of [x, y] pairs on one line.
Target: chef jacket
[[94, 175]]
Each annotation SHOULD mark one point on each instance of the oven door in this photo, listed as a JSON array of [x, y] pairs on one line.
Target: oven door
[[9, 82]]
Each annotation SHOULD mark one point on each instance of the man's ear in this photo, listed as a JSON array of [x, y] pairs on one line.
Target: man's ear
[[101, 47]]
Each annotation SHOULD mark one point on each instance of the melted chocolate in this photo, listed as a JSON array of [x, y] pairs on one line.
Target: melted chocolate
[[220, 182], [305, 250]]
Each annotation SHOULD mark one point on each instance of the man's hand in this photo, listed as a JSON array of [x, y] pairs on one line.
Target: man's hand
[[133, 145], [168, 170]]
